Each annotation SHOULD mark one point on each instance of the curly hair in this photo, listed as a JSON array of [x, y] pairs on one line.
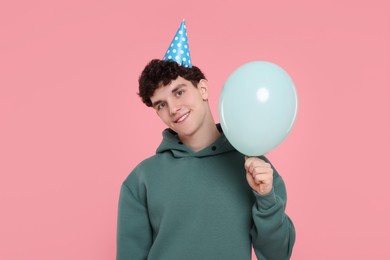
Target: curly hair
[[160, 73]]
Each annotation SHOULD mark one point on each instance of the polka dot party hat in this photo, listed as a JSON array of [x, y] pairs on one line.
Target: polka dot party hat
[[179, 50]]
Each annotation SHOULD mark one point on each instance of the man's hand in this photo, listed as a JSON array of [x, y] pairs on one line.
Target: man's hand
[[259, 175]]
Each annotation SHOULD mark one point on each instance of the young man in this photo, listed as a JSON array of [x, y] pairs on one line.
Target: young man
[[197, 197]]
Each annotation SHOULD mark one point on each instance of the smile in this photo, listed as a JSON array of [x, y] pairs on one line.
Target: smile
[[182, 118]]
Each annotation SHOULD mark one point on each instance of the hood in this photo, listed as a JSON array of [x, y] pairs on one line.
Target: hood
[[172, 144]]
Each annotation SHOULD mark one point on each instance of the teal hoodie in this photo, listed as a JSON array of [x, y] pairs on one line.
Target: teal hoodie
[[180, 204]]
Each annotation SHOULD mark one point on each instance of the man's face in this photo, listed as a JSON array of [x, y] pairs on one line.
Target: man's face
[[182, 106]]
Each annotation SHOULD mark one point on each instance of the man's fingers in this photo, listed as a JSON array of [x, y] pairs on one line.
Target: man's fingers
[[262, 178], [261, 174], [264, 168], [253, 162]]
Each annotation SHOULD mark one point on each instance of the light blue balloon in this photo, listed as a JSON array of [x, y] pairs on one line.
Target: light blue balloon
[[257, 107]]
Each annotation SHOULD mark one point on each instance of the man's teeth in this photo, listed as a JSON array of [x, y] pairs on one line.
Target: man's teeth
[[182, 118]]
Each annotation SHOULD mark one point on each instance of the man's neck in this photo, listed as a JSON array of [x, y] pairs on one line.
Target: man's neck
[[203, 138]]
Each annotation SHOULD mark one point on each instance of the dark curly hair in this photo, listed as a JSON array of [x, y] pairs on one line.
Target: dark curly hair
[[161, 73]]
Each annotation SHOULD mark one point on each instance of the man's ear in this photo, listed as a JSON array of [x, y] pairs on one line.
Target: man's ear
[[204, 89]]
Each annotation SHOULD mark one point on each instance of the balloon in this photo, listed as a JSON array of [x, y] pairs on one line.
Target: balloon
[[257, 107]]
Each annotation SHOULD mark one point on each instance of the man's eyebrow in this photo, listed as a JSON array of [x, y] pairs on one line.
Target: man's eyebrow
[[157, 102], [178, 87]]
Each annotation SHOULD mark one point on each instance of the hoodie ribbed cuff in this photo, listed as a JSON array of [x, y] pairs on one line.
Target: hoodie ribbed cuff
[[266, 201]]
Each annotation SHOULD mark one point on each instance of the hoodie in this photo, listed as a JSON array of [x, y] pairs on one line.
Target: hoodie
[[181, 204]]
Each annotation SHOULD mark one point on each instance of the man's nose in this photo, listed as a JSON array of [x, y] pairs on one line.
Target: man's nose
[[174, 107]]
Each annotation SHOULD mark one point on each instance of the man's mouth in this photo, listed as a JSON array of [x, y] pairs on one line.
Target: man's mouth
[[182, 118]]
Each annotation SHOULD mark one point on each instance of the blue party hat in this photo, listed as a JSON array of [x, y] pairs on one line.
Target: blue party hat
[[179, 50]]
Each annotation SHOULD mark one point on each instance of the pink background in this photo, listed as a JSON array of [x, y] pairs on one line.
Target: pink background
[[72, 126]]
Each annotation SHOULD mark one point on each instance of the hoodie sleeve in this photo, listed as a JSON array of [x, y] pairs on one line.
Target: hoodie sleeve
[[134, 233], [273, 233]]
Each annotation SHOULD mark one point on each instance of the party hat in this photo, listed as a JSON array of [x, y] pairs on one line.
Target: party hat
[[179, 50]]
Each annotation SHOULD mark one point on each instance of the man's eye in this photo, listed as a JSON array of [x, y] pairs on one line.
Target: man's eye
[[179, 93], [160, 106]]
